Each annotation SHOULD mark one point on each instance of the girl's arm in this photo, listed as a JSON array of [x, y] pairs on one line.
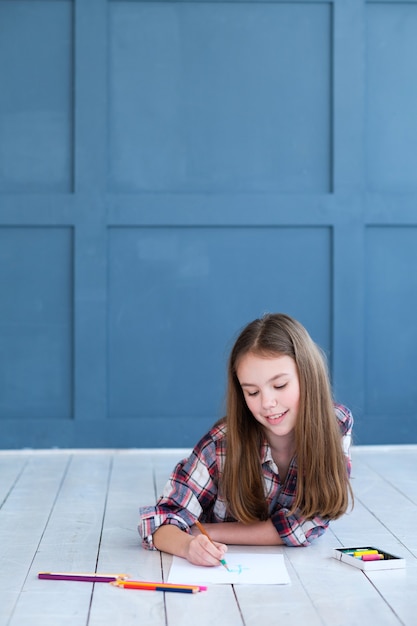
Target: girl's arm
[[256, 534], [198, 550], [191, 490]]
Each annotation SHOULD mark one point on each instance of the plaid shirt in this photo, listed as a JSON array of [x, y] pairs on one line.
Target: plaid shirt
[[192, 490]]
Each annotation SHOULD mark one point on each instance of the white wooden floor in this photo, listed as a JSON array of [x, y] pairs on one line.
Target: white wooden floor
[[77, 511]]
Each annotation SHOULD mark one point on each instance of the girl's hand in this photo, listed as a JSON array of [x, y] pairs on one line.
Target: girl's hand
[[201, 551]]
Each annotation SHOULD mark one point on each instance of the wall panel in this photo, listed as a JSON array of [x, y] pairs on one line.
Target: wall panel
[[391, 97], [391, 313], [170, 170], [195, 88], [36, 125], [36, 326]]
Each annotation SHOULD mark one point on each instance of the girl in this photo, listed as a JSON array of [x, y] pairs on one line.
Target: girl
[[276, 469]]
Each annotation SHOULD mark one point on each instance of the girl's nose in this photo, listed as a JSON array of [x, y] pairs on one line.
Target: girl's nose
[[268, 401]]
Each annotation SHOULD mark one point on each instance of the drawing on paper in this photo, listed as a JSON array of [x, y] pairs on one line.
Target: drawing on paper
[[237, 569], [244, 568]]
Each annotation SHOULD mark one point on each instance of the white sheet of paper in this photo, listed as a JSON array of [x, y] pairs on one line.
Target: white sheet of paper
[[245, 568]]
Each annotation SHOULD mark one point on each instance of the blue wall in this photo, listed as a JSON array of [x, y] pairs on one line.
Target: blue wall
[[171, 170]]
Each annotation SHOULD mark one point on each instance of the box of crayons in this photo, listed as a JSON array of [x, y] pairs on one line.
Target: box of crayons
[[368, 558]]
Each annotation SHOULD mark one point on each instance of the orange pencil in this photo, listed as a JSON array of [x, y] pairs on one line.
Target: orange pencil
[[204, 532], [155, 586]]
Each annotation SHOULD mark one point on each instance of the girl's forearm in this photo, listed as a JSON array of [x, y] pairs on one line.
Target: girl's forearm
[[199, 550], [255, 534], [171, 539]]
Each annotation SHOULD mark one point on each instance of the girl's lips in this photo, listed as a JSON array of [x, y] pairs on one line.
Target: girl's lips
[[276, 417]]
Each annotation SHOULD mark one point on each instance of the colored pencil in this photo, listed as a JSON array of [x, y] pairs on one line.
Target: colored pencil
[[155, 586], [81, 576], [204, 532]]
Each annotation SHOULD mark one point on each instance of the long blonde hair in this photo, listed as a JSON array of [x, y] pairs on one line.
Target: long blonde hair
[[323, 486]]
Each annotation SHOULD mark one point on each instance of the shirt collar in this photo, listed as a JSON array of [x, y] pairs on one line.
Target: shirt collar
[[266, 456]]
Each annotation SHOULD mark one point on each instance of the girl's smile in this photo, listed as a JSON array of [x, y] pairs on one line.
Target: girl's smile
[[276, 418]]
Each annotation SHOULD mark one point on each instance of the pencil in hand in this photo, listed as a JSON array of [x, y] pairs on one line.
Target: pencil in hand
[[204, 532]]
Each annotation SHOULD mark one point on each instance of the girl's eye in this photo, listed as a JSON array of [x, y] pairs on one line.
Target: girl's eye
[[281, 386], [252, 393]]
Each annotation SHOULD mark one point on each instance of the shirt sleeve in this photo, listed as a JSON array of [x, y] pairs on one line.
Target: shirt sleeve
[[293, 529], [296, 531], [345, 419], [191, 489]]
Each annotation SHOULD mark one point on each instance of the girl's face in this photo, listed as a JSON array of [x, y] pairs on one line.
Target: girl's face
[[272, 392]]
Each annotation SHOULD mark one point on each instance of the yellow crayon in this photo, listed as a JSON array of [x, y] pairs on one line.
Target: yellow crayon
[[362, 552]]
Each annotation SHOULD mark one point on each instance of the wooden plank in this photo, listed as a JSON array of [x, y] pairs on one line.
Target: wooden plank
[[397, 467], [23, 518], [70, 542], [388, 503], [386, 488], [11, 466], [131, 485], [398, 588]]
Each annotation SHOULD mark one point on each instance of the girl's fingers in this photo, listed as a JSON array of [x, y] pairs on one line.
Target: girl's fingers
[[215, 548], [203, 552]]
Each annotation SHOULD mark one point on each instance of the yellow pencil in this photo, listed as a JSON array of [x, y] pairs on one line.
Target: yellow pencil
[[204, 532]]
